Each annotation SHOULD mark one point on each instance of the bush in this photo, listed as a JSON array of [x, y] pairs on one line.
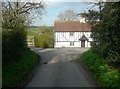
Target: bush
[[87, 56], [97, 63], [43, 41], [109, 79], [13, 44], [105, 74], [15, 72]]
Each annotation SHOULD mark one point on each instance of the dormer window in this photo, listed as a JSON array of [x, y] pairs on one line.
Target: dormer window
[[71, 33]]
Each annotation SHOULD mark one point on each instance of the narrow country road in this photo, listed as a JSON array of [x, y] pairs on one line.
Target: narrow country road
[[60, 68]]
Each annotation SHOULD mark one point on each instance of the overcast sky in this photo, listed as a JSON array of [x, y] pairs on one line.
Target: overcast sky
[[54, 8]]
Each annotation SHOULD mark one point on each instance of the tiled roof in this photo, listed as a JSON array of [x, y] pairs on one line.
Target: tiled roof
[[62, 26]]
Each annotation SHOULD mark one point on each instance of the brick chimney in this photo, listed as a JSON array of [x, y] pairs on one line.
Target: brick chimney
[[82, 17]]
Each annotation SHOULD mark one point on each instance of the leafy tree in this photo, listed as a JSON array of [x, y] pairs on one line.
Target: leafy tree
[[105, 30], [106, 33], [94, 15]]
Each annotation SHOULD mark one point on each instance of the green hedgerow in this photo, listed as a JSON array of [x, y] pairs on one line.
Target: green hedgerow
[[109, 79], [16, 71], [104, 74]]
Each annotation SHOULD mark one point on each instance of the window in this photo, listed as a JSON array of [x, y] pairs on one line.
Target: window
[[71, 43], [71, 33]]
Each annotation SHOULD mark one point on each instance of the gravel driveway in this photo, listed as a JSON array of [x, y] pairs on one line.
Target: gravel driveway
[[61, 68]]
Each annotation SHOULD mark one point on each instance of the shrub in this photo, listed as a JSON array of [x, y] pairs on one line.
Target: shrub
[[109, 79], [14, 73], [97, 63], [86, 58], [43, 41], [13, 44], [105, 74]]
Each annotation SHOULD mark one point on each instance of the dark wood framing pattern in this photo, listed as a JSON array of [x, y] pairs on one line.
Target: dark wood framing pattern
[[57, 37]]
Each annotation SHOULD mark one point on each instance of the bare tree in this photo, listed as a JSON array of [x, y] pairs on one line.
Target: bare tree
[[68, 15], [12, 11]]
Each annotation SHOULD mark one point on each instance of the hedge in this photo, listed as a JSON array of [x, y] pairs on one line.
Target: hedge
[[15, 72], [106, 75]]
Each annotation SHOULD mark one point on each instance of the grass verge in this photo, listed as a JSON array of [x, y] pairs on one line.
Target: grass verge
[[106, 75], [14, 73]]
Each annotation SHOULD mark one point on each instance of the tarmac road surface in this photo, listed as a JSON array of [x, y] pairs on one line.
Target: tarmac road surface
[[61, 68]]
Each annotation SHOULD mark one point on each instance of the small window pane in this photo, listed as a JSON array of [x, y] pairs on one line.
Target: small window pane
[[71, 33], [71, 43]]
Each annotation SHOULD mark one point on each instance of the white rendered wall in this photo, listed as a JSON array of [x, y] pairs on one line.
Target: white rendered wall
[[63, 39], [67, 44]]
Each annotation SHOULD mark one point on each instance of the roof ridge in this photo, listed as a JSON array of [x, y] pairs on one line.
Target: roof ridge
[[66, 21]]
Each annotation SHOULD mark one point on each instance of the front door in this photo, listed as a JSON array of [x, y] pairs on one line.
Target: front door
[[82, 43]]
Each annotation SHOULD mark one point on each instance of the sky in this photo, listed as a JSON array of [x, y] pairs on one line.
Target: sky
[[54, 8]]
